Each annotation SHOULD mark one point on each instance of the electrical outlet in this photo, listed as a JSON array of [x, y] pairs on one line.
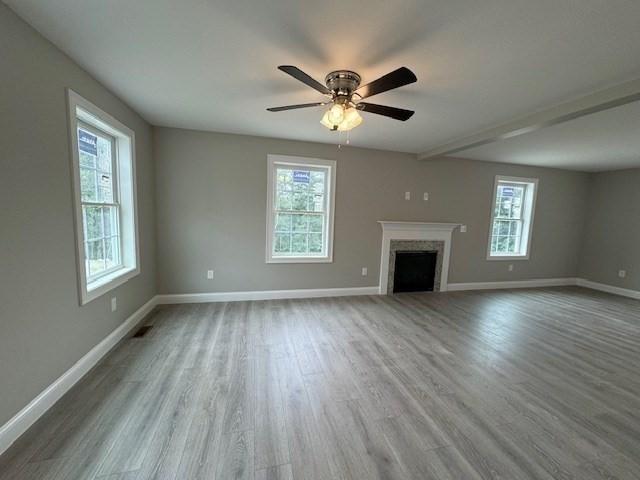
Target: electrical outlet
[[511, 267], [114, 304], [210, 274], [365, 271], [463, 229], [407, 195], [622, 273], [426, 196]]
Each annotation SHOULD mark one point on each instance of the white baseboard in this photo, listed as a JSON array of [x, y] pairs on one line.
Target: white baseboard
[[542, 282], [11, 431], [265, 295], [625, 292]]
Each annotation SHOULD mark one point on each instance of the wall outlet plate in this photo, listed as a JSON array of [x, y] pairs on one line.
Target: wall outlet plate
[[463, 229], [511, 267], [407, 195], [622, 273], [114, 304], [426, 196], [365, 271], [210, 274]]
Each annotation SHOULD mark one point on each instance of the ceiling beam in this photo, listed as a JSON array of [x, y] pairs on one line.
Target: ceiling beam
[[597, 102]]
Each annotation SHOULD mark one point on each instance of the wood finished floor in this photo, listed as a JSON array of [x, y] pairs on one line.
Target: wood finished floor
[[528, 384]]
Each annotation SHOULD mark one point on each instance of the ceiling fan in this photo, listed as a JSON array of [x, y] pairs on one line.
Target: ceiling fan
[[345, 95]]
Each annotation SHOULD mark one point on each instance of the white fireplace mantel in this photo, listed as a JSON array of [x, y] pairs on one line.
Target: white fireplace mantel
[[415, 231]]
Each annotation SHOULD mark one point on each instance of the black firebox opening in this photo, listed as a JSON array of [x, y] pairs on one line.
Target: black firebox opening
[[415, 271]]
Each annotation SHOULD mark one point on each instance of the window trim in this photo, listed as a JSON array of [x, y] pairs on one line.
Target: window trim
[[272, 162], [531, 194], [81, 110]]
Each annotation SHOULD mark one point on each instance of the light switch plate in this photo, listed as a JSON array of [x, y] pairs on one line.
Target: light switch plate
[[407, 195], [210, 274], [463, 229], [365, 271], [426, 196]]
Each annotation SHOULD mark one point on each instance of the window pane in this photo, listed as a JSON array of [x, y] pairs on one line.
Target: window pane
[[509, 201], [283, 222], [110, 217], [93, 222], [503, 244], [282, 243], [88, 182], [96, 167], [105, 187], [506, 236], [95, 257], [299, 243], [317, 190], [112, 252], [300, 223], [87, 160], [315, 243], [316, 223], [284, 178], [104, 155], [299, 201], [283, 200]]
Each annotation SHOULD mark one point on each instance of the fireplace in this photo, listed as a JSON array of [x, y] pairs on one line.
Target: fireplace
[[415, 237], [415, 271]]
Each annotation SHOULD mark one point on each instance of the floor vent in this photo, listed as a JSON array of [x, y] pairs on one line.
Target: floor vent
[[142, 331]]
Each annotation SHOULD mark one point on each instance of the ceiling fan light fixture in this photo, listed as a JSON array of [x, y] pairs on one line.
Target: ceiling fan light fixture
[[351, 120], [327, 123], [336, 114]]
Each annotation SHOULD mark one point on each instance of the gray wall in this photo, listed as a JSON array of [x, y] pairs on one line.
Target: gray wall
[[43, 330], [211, 213], [612, 237]]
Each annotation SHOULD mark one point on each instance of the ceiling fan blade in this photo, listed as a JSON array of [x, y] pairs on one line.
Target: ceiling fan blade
[[398, 78], [396, 113], [293, 107], [298, 74]]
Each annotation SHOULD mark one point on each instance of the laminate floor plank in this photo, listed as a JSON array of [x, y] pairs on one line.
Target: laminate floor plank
[[492, 385]]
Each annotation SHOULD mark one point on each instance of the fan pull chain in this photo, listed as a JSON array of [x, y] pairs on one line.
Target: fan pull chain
[[347, 142]]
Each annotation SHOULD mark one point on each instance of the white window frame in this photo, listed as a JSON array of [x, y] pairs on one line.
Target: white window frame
[[273, 161], [82, 113], [528, 214]]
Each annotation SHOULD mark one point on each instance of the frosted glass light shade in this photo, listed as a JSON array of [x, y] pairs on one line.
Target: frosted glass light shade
[[351, 119], [336, 114]]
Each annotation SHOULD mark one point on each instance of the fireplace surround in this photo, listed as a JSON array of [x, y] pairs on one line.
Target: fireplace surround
[[416, 236]]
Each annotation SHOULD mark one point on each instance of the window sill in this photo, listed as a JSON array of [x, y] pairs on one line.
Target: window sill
[[300, 260], [508, 257], [107, 283]]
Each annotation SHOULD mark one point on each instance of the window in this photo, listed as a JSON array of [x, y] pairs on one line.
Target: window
[[104, 196], [512, 218], [300, 208]]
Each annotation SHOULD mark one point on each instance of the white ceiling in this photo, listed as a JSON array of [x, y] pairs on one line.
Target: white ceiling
[[211, 65], [608, 140]]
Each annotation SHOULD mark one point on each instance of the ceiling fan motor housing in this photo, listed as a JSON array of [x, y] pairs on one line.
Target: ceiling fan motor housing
[[342, 84]]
